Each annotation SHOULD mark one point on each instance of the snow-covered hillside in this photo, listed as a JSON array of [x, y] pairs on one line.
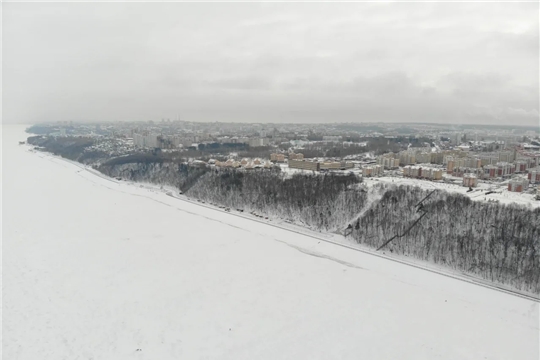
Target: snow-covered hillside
[[99, 269], [500, 191]]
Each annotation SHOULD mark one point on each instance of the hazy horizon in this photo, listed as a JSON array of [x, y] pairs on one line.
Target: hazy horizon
[[453, 63], [159, 121]]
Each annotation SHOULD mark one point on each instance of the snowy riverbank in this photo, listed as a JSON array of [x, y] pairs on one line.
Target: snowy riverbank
[[95, 268], [157, 191]]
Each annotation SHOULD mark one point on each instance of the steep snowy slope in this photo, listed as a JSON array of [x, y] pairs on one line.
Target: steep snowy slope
[[94, 269]]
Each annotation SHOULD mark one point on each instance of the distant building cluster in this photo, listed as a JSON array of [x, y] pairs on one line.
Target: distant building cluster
[[420, 172], [293, 156], [422, 151], [407, 158], [423, 158], [388, 161], [412, 157], [336, 165], [147, 140], [471, 167], [372, 170], [491, 166], [277, 157], [453, 162], [258, 142], [280, 157], [501, 169], [315, 165], [244, 163]]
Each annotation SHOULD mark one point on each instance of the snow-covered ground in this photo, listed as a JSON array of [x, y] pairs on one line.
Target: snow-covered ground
[[478, 194], [99, 269], [501, 193]]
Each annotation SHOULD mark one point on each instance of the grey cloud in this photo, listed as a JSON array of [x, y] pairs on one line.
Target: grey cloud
[[241, 83], [271, 61], [477, 81]]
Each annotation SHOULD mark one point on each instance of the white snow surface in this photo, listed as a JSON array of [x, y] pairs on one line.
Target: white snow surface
[[99, 269], [502, 195]]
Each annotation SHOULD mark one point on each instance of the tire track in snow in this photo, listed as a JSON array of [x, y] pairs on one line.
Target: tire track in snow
[[319, 255]]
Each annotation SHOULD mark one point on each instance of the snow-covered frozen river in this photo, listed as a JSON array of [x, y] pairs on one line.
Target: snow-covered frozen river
[[95, 269]]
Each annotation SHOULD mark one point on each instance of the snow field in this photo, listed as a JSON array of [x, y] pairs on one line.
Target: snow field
[[97, 269]]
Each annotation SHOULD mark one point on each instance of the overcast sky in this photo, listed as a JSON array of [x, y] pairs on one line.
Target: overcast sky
[[272, 62]]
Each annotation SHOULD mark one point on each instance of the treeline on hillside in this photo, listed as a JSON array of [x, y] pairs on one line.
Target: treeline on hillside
[[177, 174], [42, 129], [142, 158], [68, 147], [324, 202], [497, 242], [342, 151]]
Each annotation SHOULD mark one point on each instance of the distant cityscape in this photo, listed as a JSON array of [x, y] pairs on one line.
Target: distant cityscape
[[469, 155]]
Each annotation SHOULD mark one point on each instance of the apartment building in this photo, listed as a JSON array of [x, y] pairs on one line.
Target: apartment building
[[456, 138], [388, 162], [461, 171], [424, 158], [258, 142], [534, 176], [505, 169], [453, 162], [336, 165], [507, 156], [488, 160], [472, 162], [532, 161], [373, 170], [521, 166], [277, 157], [518, 184], [490, 171], [146, 140], [317, 166], [431, 173], [437, 158], [452, 155], [470, 180], [407, 158], [305, 165], [422, 172]]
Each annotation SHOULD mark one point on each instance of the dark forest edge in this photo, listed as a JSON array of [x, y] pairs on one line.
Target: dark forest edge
[[496, 242]]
